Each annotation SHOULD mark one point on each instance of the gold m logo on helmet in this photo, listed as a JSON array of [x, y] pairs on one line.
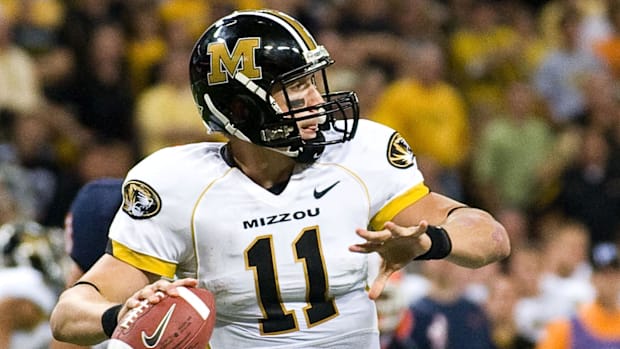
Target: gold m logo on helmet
[[225, 63]]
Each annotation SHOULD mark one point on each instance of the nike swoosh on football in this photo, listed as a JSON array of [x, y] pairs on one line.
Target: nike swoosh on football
[[319, 194], [153, 340]]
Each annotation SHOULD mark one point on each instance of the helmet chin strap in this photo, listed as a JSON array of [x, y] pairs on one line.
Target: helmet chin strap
[[309, 153]]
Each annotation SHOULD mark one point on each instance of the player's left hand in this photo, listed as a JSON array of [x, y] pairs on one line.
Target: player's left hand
[[154, 293], [397, 246]]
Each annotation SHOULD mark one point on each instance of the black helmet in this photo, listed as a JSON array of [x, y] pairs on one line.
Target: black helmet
[[242, 59]]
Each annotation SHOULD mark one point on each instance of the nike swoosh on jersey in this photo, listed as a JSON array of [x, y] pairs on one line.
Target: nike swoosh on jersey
[[152, 340], [319, 194]]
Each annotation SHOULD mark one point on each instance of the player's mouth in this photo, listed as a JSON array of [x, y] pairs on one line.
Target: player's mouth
[[308, 131]]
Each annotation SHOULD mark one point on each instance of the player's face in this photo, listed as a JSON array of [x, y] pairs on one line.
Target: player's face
[[302, 93]]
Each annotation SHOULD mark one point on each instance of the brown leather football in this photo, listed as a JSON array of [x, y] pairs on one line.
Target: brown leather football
[[186, 321]]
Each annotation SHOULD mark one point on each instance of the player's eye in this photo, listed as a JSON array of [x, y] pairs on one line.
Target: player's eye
[[298, 103], [300, 84]]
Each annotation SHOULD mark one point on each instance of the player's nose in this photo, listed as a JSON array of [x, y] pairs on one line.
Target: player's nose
[[314, 96]]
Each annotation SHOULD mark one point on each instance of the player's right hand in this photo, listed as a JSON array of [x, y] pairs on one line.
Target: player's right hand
[[397, 246]]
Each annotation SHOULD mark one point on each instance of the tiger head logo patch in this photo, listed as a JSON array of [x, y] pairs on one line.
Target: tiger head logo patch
[[399, 154], [140, 201]]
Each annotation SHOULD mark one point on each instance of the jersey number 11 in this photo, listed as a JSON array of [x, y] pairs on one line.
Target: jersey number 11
[[307, 250]]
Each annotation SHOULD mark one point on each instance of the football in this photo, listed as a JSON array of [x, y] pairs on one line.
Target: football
[[186, 321]]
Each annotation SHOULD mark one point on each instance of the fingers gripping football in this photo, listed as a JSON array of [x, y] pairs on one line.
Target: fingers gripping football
[[155, 292], [184, 317]]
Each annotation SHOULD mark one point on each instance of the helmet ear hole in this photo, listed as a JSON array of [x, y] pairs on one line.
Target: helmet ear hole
[[246, 113], [239, 111]]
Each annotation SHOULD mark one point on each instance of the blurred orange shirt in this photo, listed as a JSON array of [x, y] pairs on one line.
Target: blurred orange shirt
[[600, 323], [609, 51]]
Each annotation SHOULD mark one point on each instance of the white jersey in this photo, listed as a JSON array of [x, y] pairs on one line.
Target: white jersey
[[278, 264]]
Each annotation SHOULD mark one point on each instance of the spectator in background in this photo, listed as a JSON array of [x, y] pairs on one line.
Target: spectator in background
[[372, 83], [588, 192], [419, 21], [191, 15], [561, 75], [37, 24], [17, 199], [86, 231], [365, 62], [32, 150], [594, 26], [346, 74], [30, 265], [511, 151], [608, 49], [597, 324], [482, 53], [81, 20], [499, 306], [106, 102], [57, 71], [166, 112], [524, 268], [564, 284], [19, 85], [602, 103], [565, 279], [430, 113], [31, 262], [529, 46], [394, 319], [364, 17], [146, 45], [445, 318], [87, 222]]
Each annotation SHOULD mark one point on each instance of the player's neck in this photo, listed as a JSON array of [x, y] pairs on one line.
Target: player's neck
[[263, 166]]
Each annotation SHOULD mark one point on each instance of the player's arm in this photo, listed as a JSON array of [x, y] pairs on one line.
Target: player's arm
[[74, 274], [77, 315], [477, 239], [473, 238]]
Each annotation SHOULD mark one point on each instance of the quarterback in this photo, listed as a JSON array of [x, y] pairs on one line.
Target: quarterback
[[277, 222]]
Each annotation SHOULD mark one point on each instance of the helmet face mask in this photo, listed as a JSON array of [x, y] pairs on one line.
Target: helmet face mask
[[235, 75]]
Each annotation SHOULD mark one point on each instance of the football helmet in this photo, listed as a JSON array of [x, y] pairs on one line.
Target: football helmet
[[30, 244], [243, 59]]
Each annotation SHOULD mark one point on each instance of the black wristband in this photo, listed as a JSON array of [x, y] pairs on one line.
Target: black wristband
[[109, 319], [441, 245]]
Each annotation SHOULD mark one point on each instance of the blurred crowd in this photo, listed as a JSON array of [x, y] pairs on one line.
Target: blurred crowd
[[511, 106]]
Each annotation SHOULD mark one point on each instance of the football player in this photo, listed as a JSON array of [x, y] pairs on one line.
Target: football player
[[278, 221], [86, 231]]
